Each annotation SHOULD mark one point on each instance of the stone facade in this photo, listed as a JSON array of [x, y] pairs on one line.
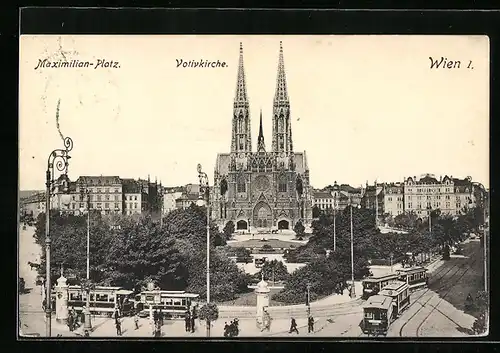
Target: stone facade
[[262, 189]]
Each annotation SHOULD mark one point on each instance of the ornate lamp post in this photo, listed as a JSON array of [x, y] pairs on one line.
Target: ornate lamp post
[[205, 191], [58, 160], [308, 288], [353, 290], [84, 191], [334, 221]]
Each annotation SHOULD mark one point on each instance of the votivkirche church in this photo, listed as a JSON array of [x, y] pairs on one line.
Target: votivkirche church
[[266, 189]]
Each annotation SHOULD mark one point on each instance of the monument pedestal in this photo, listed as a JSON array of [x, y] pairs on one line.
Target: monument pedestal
[[62, 300], [262, 292]]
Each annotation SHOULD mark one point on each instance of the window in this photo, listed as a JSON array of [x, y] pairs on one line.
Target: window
[[369, 314], [107, 197], [282, 185], [73, 198], [98, 205], [107, 190], [116, 198], [135, 198], [241, 185], [106, 205], [117, 190], [73, 206], [447, 205], [98, 197], [82, 205], [81, 197], [117, 206], [135, 205], [409, 205], [98, 190]]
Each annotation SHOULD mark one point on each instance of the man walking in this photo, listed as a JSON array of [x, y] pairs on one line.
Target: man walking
[[118, 327], [136, 321], [187, 321], [293, 327], [310, 324], [192, 321]]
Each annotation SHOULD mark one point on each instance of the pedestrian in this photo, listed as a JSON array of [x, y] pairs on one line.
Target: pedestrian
[[70, 322], [187, 321], [86, 333], [226, 329], [157, 329], [192, 321], [293, 326], [160, 317], [310, 324], [118, 327], [136, 320]]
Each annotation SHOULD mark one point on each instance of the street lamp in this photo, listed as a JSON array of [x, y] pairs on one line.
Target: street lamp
[[353, 290], [429, 209], [84, 191], [204, 189], [334, 221], [58, 160]]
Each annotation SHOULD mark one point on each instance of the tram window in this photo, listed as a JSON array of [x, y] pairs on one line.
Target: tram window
[[177, 302], [184, 302], [104, 297], [168, 301], [149, 298], [92, 297], [111, 299], [369, 314], [383, 315], [75, 296]]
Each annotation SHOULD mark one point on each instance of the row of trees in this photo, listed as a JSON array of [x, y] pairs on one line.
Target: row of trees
[[130, 252], [324, 273]]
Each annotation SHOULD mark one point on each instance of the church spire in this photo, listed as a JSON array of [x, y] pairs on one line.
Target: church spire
[[282, 128], [241, 137], [261, 147], [281, 93]]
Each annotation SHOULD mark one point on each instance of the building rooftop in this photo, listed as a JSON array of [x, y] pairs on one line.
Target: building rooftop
[[99, 180]]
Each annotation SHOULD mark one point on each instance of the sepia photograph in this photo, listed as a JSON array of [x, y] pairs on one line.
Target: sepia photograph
[[271, 186]]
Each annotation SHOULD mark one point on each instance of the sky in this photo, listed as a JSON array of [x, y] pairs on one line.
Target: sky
[[362, 107]]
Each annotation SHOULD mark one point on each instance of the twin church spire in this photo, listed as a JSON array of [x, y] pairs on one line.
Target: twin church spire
[[241, 128]]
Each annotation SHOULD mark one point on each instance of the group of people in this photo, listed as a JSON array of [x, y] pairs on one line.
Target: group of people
[[118, 322], [231, 330], [190, 317], [310, 325]]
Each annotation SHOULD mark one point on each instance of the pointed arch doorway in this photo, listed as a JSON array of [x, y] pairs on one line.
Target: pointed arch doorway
[[262, 215]]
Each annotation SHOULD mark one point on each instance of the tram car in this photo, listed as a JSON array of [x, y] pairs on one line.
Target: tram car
[[103, 301], [373, 285], [171, 304], [415, 277], [381, 310]]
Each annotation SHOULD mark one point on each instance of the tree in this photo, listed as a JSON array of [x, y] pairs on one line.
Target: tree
[[315, 211], [273, 270], [209, 313], [143, 251], [480, 325], [299, 229], [406, 220], [228, 230]]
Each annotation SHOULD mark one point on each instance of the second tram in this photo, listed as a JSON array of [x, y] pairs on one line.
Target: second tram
[[373, 285], [415, 277], [104, 301]]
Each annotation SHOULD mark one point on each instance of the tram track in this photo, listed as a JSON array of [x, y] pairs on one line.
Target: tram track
[[435, 307], [451, 280]]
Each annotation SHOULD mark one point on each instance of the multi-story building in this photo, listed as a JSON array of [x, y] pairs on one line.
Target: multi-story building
[[393, 202], [105, 193], [323, 199], [373, 198], [134, 199], [169, 197], [186, 200], [33, 205]]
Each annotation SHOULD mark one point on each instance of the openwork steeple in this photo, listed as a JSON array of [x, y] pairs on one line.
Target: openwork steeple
[[261, 147], [282, 128], [241, 136]]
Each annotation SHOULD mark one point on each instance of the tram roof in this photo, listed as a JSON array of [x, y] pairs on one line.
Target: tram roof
[[170, 294], [412, 269], [380, 277], [378, 302], [394, 288], [100, 288]]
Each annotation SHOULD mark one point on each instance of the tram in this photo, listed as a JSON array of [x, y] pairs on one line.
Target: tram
[[103, 301], [171, 304], [380, 310], [415, 277], [373, 285]]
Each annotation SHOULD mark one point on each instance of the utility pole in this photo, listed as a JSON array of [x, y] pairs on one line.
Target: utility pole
[[334, 221]]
